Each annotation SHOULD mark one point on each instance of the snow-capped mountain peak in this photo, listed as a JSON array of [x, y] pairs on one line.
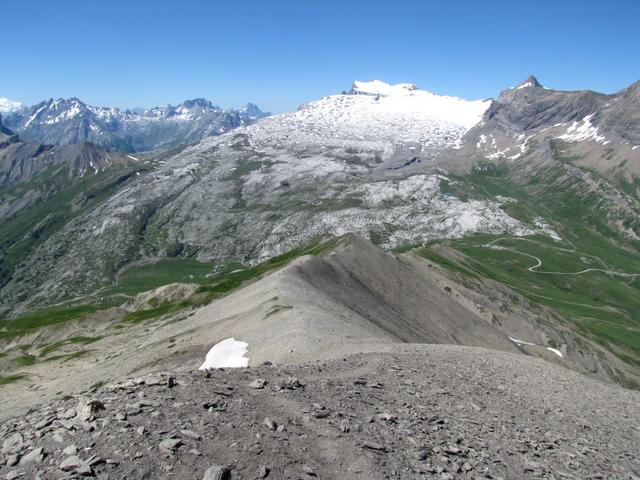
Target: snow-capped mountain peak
[[530, 82], [379, 116], [8, 106]]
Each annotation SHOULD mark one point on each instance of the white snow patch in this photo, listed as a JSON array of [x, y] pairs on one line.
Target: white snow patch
[[229, 353], [522, 342], [556, 351], [525, 85], [65, 115], [33, 117], [584, 130]]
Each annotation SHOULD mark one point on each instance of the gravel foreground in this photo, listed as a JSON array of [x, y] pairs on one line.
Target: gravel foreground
[[428, 412]]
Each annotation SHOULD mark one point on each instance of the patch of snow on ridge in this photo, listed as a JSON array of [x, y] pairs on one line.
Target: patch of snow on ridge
[[521, 342], [525, 85], [229, 353], [584, 130], [556, 351]]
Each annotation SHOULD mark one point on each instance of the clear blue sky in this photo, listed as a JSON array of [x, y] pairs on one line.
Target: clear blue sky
[[280, 54]]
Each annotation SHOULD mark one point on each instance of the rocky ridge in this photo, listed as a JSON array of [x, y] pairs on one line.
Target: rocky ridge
[[438, 412]]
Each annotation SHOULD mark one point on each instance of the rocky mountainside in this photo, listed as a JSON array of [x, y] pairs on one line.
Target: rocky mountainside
[[70, 121], [43, 186], [601, 129]]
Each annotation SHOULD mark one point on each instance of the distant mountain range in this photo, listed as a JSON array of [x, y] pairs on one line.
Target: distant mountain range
[[71, 121]]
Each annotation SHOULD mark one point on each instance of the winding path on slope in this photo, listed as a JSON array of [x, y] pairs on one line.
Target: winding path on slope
[[534, 268]]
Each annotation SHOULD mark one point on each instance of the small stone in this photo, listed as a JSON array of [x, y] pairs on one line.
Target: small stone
[[141, 430], [13, 460], [217, 473], [387, 417], [154, 380], [421, 455], [270, 424], [70, 450], [258, 383], [70, 463], [345, 426], [34, 456], [67, 425], [95, 460], [43, 423], [170, 444], [377, 447], [84, 471], [13, 474], [263, 472], [13, 444], [191, 434], [171, 382], [291, 383], [86, 426], [69, 413], [312, 472]]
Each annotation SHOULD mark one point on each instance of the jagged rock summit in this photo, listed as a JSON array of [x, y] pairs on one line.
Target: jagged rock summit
[[530, 82]]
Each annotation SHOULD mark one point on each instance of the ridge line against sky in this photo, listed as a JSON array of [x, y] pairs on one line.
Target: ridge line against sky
[[280, 54]]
